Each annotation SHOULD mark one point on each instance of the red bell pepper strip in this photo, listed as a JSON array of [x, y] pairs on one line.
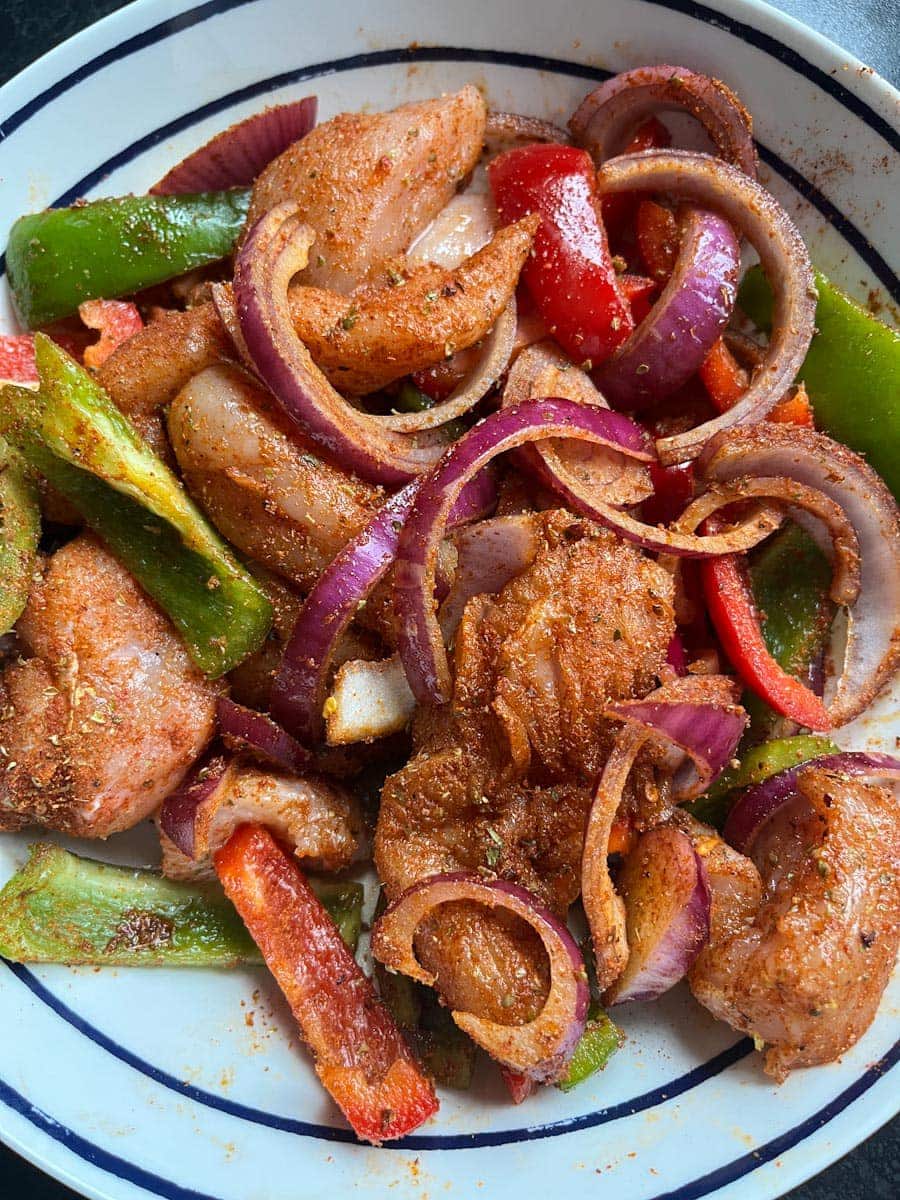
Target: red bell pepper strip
[[520, 1087], [116, 321], [618, 209], [673, 487], [570, 274], [795, 409], [360, 1055], [723, 377], [17, 363], [657, 238], [638, 291], [730, 604]]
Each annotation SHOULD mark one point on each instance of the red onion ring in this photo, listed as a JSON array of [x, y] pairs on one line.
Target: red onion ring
[[274, 250], [701, 716], [505, 129], [758, 803], [755, 213], [420, 643], [667, 906], [606, 116], [236, 156], [872, 651], [177, 815], [670, 344], [245, 729], [300, 685], [542, 1047]]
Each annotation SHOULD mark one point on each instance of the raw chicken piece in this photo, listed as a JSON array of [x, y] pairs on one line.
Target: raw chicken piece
[[108, 713], [369, 183], [804, 973], [503, 777]]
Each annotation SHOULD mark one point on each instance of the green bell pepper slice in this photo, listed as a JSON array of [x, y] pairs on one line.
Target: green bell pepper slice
[[851, 372], [599, 1042], [62, 908], [755, 766], [20, 531], [73, 434], [106, 248]]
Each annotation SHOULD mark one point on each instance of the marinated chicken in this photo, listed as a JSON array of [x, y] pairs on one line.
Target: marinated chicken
[[804, 971], [503, 777], [368, 183], [105, 713]]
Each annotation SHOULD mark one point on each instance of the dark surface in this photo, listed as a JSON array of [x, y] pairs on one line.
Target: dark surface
[[871, 29]]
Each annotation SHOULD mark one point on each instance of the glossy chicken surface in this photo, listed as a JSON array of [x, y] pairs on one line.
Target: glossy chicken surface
[[105, 713], [368, 183], [804, 972], [503, 777]]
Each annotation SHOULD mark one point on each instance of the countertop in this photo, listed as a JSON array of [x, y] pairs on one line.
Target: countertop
[[871, 30]]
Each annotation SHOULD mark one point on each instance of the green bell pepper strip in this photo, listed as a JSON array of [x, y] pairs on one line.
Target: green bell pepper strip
[[20, 530], [755, 766], [61, 908], [72, 433], [58, 258], [599, 1042], [851, 372], [410, 399]]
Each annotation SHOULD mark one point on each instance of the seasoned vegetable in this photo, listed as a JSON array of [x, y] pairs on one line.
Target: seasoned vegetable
[[599, 1042], [851, 371], [20, 529], [108, 248], [74, 435], [61, 908]]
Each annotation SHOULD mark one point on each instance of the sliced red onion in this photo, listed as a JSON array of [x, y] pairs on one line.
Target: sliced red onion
[[600, 474], [372, 699], [872, 650], [603, 908], [245, 729], [420, 643], [670, 344], [605, 118], [519, 1086], [542, 1047], [754, 213], [698, 714], [274, 250], [493, 360], [758, 803], [667, 907], [299, 689], [506, 129], [177, 817], [223, 299], [676, 655], [236, 156]]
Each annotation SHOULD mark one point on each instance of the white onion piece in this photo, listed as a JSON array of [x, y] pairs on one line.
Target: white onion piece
[[458, 231]]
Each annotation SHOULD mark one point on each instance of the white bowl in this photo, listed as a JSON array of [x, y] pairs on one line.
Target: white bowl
[[192, 1085]]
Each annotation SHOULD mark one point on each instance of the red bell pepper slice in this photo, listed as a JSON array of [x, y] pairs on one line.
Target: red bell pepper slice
[[657, 238], [723, 377], [17, 363], [569, 274], [795, 409], [618, 209], [520, 1087], [360, 1055], [729, 601], [638, 290], [116, 321]]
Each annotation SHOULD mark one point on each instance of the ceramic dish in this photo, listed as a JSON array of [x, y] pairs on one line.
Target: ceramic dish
[[192, 1086]]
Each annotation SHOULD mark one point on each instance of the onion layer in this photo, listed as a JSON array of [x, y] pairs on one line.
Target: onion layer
[[236, 156], [758, 803], [605, 117], [275, 249], [177, 817], [540, 1048], [700, 716], [872, 650], [753, 212], [670, 344], [245, 729], [503, 130]]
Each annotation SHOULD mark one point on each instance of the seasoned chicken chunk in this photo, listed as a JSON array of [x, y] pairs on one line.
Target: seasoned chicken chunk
[[107, 714], [369, 183], [805, 971], [503, 777]]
